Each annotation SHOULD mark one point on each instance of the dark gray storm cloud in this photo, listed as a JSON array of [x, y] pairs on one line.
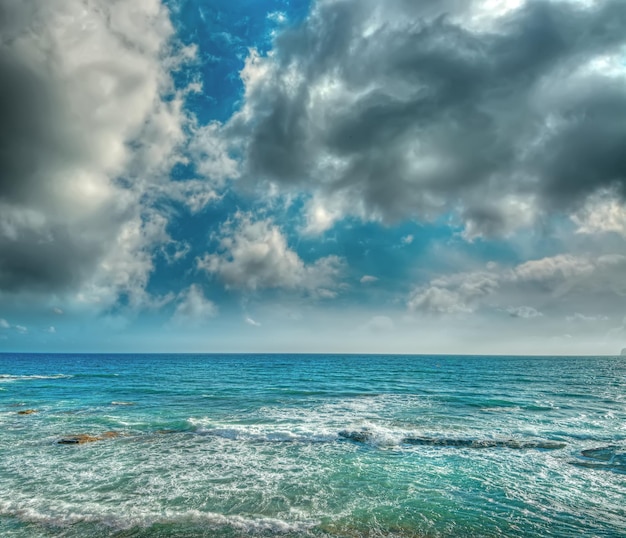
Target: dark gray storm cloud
[[36, 248], [79, 85], [417, 108]]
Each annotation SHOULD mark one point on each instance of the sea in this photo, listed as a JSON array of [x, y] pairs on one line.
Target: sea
[[312, 445]]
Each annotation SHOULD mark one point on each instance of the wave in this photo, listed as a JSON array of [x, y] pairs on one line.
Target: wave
[[271, 436], [9, 377], [66, 515], [381, 437]]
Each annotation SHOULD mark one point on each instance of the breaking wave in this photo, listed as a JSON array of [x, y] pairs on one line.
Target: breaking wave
[[381, 437], [9, 377]]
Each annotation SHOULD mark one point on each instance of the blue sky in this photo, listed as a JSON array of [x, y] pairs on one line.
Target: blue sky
[[324, 176]]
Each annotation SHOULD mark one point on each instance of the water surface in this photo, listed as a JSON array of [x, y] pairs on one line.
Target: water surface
[[317, 445]]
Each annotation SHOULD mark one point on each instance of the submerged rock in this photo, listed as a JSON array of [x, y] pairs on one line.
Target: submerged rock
[[365, 436], [27, 412], [605, 453], [110, 435], [357, 436], [484, 443], [85, 438], [608, 458]]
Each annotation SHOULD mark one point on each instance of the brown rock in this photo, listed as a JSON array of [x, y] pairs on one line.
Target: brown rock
[[78, 439], [84, 438], [27, 412]]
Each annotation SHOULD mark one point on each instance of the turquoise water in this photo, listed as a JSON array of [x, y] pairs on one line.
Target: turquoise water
[[324, 445]]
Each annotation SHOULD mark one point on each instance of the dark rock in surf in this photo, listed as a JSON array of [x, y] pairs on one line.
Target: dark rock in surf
[[365, 436], [483, 443], [85, 438], [606, 458], [605, 453], [27, 412], [356, 436]]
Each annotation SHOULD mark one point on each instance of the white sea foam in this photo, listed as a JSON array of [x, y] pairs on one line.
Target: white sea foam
[[367, 432], [268, 433], [63, 514], [262, 524], [6, 378]]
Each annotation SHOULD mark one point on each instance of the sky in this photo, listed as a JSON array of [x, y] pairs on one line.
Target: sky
[[358, 176]]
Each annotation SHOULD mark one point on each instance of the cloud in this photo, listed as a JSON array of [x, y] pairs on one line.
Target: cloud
[[56, 310], [439, 300], [193, 307], [417, 109], [254, 255], [51, 330], [125, 269], [252, 322], [90, 120], [379, 324], [407, 239], [524, 312], [209, 152], [558, 283], [322, 213], [279, 17], [368, 279], [4, 324], [582, 318], [603, 213]]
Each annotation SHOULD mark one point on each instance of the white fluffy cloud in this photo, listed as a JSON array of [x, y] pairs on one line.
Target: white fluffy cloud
[[90, 120], [126, 267], [193, 307], [603, 213], [254, 255]]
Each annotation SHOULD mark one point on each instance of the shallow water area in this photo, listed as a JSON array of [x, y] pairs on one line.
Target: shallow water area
[[312, 445]]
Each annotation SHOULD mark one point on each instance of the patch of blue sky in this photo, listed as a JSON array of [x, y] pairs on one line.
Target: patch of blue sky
[[224, 31], [374, 249], [193, 234]]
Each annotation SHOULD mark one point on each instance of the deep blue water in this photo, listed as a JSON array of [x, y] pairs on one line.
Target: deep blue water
[[317, 445]]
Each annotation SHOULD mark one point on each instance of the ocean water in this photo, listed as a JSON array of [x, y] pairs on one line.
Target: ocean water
[[312, 445]]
